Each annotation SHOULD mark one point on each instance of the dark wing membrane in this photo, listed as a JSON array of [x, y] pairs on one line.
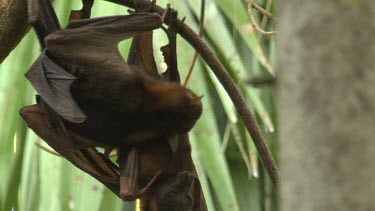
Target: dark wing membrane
[[170, 58], [43, 18], [93, 42], [53, 84], [128, 163], [141, 54]]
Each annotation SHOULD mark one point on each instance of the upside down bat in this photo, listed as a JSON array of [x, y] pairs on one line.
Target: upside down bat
[[115, 103], [177, 186], [82, 77]]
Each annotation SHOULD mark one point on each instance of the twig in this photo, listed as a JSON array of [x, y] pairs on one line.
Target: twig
[[255, 24], [37, 144], [260, 9], [230, 86], [195, 56], [200, 33], [250, 7]]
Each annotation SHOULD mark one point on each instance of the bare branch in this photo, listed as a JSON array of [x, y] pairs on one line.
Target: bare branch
[[200, 33], [255, 24], [260, 9], [40, 146]]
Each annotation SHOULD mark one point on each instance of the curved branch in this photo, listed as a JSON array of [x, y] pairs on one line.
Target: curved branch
[[260, 9], [256, 26], [239, 102], [230, 86]]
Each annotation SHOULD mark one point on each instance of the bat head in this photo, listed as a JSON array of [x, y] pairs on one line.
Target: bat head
[[175, 193], [177, 105]]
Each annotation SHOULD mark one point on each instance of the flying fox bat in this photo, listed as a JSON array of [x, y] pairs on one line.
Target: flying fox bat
[[161, 174], [82, 77]]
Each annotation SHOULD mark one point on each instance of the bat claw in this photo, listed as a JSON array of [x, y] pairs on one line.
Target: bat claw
[[182, 22], [174, 25], [167, 9]]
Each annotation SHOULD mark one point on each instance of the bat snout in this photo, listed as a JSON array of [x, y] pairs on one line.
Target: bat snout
[[26, 111]]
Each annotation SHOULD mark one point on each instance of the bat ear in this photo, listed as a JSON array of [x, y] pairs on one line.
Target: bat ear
[[198, 198], [85, 12]]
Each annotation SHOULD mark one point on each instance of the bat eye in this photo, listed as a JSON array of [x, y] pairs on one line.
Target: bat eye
[[172, 194]]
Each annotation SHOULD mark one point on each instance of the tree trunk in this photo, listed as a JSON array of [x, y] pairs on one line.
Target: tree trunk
[[327, 104], [13, 25]]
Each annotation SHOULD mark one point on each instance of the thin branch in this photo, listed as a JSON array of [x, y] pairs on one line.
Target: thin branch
[[200, 33], [230, 86], [250, 5], [37, 144], [238, 100], [260, 9], [255, 24], [195, 56]]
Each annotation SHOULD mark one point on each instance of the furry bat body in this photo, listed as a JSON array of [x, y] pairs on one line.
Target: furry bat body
[[83, 78], [178, 187]]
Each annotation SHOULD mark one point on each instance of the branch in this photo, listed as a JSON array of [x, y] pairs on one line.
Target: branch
[[200, 33], [230, 86], [50, 151], [260, 9], [13, 25], [255, 24]]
